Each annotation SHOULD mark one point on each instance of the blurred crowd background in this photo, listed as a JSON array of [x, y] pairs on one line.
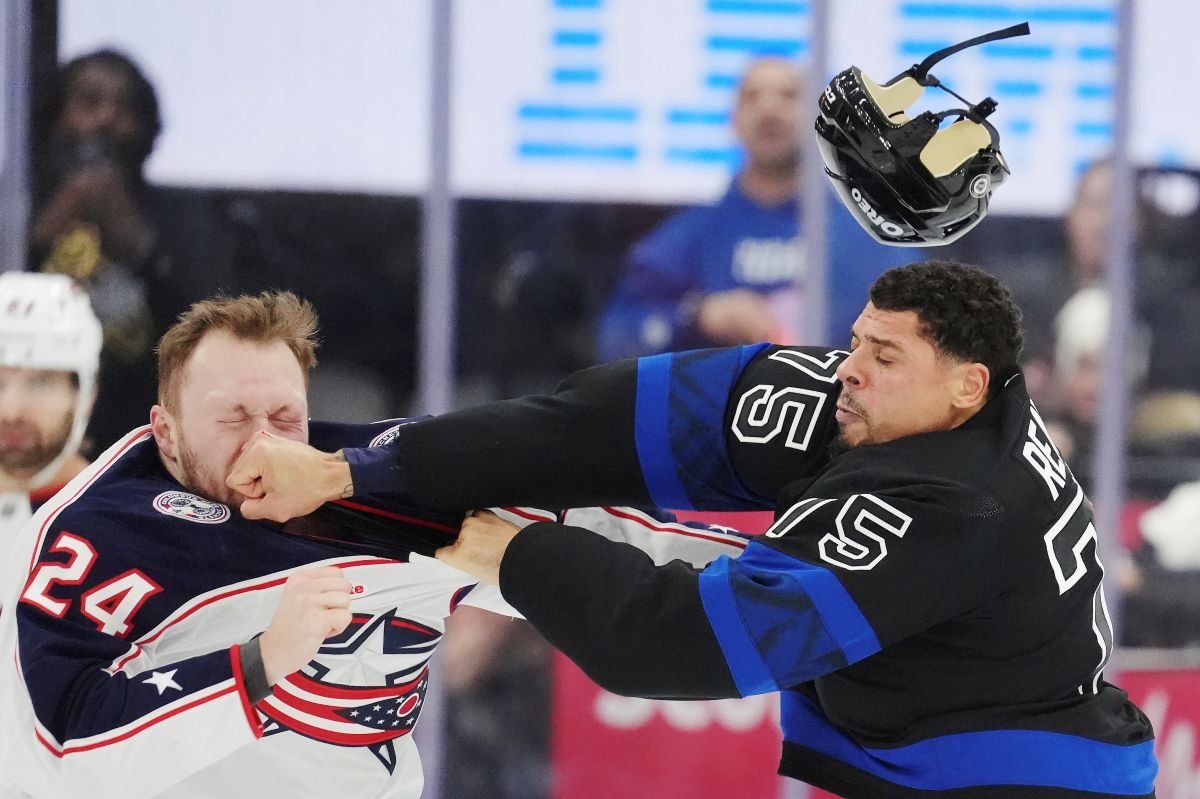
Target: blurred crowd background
[[159, 152]]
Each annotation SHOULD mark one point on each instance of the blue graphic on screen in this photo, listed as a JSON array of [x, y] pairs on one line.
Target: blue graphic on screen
[[1026, 76], [569, 129], [1062, 74], [573, 128]]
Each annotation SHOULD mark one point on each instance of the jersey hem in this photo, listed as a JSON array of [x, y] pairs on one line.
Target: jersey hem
[[829, 774]]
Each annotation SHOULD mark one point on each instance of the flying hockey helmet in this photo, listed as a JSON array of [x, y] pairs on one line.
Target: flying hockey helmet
[[915, 181]]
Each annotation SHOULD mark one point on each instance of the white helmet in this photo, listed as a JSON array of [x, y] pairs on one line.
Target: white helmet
[[46, 322]]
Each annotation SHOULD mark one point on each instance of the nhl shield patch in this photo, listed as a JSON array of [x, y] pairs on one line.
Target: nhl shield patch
[[386, 437], [191, 507]]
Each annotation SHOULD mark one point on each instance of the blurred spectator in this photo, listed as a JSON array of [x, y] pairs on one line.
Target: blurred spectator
[[89, 220], [727, 273], [1166, 332], [1077, 263], [1166, 277], [95, 218], [1082, 255], [49, 354], [1169, 291], [1160, 581], [1086, 226], [1167, 422], [1081, 337], [1081, 329], [1162, 601]]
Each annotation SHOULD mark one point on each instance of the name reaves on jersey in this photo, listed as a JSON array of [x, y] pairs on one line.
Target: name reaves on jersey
[[930, 608]]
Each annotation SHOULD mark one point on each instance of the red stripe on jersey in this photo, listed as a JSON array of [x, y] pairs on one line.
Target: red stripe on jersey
[[677, 529], [459, 596], [45, 493], [410, 625], [364, 695], [318, 709], [225, 595], [549, 517], [368, 736], [68, 750], [329, 712], [134, 437], [397, 516], [235, 659]]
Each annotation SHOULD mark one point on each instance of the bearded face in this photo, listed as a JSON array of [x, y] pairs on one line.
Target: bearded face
[[37, 412], [203, 476]]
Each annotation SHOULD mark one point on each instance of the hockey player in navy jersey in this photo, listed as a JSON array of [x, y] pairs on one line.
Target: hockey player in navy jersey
[[49, 355], [928, 602], [160, 644]]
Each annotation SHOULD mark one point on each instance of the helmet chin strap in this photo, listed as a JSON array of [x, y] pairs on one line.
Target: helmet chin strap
[[920, 72]]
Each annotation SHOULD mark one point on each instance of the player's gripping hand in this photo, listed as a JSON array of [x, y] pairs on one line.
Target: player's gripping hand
[[480, 546], [315, 604], [282, 479]]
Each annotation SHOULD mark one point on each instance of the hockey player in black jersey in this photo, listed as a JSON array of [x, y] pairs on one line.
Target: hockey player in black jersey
[[928, 602]]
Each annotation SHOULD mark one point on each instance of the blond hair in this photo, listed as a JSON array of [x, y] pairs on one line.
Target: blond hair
[[264, 318]]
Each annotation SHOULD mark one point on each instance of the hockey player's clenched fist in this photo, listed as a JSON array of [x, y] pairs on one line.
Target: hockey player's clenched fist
[[314, 606], [282, 479]]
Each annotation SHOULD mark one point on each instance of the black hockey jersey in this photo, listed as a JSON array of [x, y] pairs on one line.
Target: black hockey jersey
[[930, 608]]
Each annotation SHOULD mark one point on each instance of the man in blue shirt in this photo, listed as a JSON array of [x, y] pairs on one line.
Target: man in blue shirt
[[730, 273]]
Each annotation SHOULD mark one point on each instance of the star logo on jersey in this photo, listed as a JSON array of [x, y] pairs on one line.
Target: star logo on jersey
[[365, 688], [162, 680], [397, 713], [191, 507]]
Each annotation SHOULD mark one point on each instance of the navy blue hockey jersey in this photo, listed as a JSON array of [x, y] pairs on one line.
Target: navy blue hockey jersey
[[121, 674], [130, 597]]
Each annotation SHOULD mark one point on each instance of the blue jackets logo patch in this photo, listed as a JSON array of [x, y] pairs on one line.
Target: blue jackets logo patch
[[387, 436], [190, 507]]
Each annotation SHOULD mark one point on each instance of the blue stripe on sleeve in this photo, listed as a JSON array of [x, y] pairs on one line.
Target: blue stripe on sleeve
[[701, 383], [992, 757], [679, 427], [750, 672], [650, 427], [780, 621], [839, 612]]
